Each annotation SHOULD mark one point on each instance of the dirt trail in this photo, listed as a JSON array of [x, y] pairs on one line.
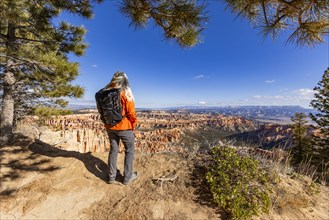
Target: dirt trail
[[39, 181], [44, 182]]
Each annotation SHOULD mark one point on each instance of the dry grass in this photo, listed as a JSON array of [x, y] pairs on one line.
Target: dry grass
[[297, 194], [290, 201]]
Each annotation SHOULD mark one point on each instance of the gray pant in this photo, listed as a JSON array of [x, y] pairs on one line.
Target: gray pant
[[128, 139]]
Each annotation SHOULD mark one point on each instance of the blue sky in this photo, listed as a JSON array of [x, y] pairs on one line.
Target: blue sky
[[232, 66]]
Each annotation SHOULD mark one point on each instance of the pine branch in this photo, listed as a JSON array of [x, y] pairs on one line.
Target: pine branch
[[3, 36], [34, 40], [20, 59], [308, 20], [264, 11], [179, 20], [289, 4]]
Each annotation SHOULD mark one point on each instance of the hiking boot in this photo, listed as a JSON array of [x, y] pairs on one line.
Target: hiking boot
[[111, 181], [133, 177]]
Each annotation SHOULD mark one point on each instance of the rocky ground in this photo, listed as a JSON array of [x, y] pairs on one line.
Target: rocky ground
[[40, 181]]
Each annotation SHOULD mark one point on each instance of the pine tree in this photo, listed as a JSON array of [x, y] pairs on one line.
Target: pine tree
[[301, 145], [33, 54], [307, 19], [321, 104]]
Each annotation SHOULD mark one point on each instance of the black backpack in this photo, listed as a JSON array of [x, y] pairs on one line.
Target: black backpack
[[108, 105]]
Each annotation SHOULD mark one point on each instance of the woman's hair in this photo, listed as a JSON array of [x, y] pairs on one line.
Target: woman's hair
[[120, 81]]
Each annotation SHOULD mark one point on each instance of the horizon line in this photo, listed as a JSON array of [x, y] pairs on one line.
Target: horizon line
[[195, 106]]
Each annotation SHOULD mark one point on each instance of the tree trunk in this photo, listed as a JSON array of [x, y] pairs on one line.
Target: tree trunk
[[7, 114]]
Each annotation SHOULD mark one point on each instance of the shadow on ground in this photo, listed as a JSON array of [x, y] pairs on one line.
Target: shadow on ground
[[203, 194], [93, 164], [16, 159], [24, 155]]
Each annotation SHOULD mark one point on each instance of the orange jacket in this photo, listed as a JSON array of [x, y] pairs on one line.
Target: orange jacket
[[128, 110]]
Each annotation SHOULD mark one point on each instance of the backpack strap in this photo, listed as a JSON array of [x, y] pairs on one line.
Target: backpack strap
[[123, 107]]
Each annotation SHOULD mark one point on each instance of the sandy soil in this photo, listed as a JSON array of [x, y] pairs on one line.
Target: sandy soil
[[39, 181]]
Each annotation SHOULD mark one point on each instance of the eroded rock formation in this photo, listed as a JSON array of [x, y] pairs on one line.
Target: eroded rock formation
[[157, 131]]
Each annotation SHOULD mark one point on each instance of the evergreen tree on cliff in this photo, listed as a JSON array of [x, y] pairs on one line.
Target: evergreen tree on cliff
[[301, 145], [34, 54], [321, 104]]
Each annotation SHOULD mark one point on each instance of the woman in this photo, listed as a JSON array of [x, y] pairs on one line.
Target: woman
[[124, 130]]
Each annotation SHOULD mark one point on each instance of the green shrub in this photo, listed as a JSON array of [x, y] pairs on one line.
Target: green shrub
[[238, 184]]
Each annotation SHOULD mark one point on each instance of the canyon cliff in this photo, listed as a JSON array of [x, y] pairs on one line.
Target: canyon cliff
[[157, 131]]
